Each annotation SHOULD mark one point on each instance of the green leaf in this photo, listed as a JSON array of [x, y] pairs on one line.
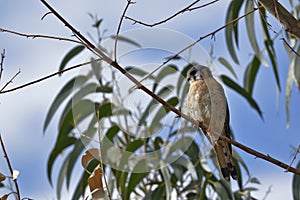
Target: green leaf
[[167, 180], [71, 54], [127, 40], [162, 93], [160, 114], [223, 189], [233, 85], [62, 95], [96, 67], [137, 71], [296, 184], [250, 75], [235, 14], [82, 183], [251, 32], [297, 69], [271, 53], [129, 150], [78, 113], [229, 30], [59, 147], [165, 72], [254, 180], [79, 146], [104, 89], [182, 78], [288, 91], [224, 62], [61, 176], [136, 178]]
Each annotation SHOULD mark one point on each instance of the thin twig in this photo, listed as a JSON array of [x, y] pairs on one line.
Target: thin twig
[[48, 76], [202, 6], [260, 155], [295, 155], [33, 36], [289, 46], [160, 100], [212, 34], [165, 20], [10, 81], [10, 168], [1, 63], [119, 28]]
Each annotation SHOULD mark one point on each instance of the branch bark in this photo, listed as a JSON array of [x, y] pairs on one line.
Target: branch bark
[[291, 24]]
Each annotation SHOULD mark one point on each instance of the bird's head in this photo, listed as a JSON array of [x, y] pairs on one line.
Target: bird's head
[[198, 72]]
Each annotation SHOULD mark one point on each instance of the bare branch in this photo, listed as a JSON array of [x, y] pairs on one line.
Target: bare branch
[[188, 8], [212, 34], [10, 168], [160, 100], [10, 81], [33, 36], [202, 6], [289, 46], [47, 77], [119, 28], [1, 63], [295, 155]]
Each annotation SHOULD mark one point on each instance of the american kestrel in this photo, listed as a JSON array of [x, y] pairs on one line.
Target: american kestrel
[[206, 102]]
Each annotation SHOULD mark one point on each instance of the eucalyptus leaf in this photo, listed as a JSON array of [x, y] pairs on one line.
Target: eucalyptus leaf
[[296, 184], [71, 54], [251, 32], [224, 62], [251, 74], [62, 95], [233, 85]]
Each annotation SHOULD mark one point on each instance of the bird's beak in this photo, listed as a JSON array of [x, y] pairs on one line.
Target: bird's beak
[[188, 78]]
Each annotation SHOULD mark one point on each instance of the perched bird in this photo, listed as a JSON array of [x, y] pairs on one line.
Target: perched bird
[[206, 103]]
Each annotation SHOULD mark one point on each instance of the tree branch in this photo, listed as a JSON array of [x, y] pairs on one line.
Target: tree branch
[[10, 169], [188, 8], [119, 28], [10, 81], [291, 24], [1, 63], [160, 100], [33, 36], [46, 77]]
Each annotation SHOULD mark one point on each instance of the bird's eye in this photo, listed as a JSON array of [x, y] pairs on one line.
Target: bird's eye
[[193, 72]]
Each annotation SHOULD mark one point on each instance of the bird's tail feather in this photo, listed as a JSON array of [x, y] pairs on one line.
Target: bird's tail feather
[[225, 160]]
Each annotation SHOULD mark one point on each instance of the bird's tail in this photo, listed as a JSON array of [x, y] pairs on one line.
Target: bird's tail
[[225, 161]]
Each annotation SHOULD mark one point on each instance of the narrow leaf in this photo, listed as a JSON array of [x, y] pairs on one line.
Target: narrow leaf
[[167, 180], [251, 32], [59, 147], [288, 91], [250, 75], [127, 40], [71, 54], [233, 85], [271, 53], [136, 178], [296, 184], [224, 62], [62, 95], [229, 32], [165, 72], [297, 69]]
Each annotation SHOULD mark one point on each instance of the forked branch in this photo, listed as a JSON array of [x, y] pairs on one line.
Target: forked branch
[[139, 85]]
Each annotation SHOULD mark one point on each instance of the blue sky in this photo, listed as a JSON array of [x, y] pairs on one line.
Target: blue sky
[[23, 112]]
